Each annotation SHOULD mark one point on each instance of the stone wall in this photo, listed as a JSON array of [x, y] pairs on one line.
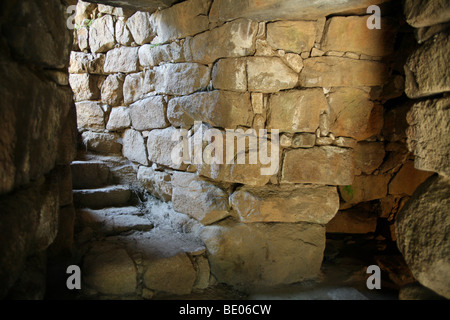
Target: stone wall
[[331, 86], [424, 223], [38, 133]]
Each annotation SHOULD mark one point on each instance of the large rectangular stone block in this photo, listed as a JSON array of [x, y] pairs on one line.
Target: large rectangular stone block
[[331, 71], [181, 78], [319, 165], [301, 203]]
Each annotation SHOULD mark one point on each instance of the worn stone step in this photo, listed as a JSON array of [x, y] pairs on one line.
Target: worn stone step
[[89, 174], [166, 261], [111, 196], [113, 221]]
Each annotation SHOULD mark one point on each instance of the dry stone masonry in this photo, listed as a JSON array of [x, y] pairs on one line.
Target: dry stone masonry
[[357, 121]]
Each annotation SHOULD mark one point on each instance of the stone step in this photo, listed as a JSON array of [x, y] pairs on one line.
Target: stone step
[[89, 174], [111, 196], [113, 221], [168, 262]]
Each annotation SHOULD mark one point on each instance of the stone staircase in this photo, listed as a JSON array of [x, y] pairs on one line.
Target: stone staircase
[[128, 243]]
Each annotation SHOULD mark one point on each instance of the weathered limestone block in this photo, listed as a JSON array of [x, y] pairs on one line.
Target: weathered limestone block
[[360, 40], [174, 274], [123, 34], [109, 270], [85, 86], [102, 34], [269, 74], [407, 179], [137, 86], [181, 20], [90, 115], [152, 55], [296, 110], [268, 10], [149, 113], [198, 198], [181, 78], [422, 229], [82, 35], [233, 39], [368, 156], [122, 59], [294, 61], [230, 74], [319, 165], [365, 188], [428, 135], [140, 27], [134, 147], [157, 183], [278, 253], [328, 71], [218, 108], [101, 142], [312, 204], [422, 13], [355, 221], [292, 36], [350, 113], [119, 119], [112, 90], [427, 68], [81, 62], [160, 146]]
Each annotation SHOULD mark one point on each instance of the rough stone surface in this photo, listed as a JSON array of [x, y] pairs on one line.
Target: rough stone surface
[[102, 34], [110, 271], [272, 254], [160, 146], [422, 229], [368, 156], [328, 71], [148, 113], [185, 19], [198, 198], [140, 27], [119, 119], [181, 78], [157, 183], [175, 274], [365, 188], [269, 74], [90, 115], [361, 40], [81, 62], [296, 110], [137, 86], [234, 39], [218, 108], [426, 69], [89, 174], [230, 74], [350, 113], [222, 10], [292, 36], [123, 35], [112, 90], [428, 136], [85, 86], [101, 142], [320, 165], [122, 59], [134, 147], [112, 196], [304, 140], [286, 204], [407, 179], [422, 13]]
